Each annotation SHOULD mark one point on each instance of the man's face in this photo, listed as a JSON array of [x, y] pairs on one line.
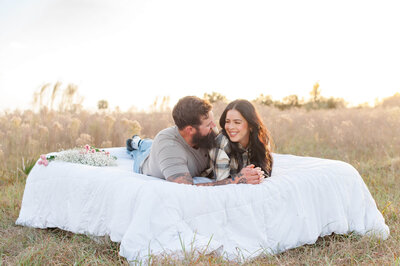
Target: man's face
[[205, 136]]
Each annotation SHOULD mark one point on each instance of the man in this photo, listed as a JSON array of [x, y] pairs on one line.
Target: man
[[179, 153]]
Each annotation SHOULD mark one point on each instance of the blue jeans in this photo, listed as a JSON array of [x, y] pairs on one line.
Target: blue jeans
[[140, 154]]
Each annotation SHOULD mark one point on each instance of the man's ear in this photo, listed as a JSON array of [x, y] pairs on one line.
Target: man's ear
[[189, 130]]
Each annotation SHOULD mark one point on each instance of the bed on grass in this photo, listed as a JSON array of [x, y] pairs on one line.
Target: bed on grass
[[305, 198]]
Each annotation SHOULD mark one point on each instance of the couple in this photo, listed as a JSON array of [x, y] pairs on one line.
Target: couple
[[241, 153]]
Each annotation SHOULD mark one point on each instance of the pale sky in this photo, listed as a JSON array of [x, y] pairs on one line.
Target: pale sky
[[129, 52]]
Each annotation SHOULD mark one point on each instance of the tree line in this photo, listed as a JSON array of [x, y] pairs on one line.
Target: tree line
[[68, 99], [316, 100]]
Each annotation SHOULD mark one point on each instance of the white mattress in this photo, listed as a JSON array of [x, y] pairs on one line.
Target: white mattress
[[305, 198]]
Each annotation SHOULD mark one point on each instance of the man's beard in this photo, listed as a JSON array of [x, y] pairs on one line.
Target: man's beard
[[206, 142]]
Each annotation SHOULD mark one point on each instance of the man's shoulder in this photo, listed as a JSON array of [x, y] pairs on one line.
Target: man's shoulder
[[169, 132], [168, 136]]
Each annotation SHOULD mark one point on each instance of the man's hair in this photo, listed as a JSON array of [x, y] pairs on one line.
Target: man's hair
[[189, 111]]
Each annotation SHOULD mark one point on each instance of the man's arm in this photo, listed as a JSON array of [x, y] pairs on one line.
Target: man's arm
[[181, 178], [247, 175], [186, 178], [238, 179]]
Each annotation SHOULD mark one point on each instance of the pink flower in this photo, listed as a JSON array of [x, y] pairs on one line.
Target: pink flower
[[43, 160], [93, 150], [87, 147]]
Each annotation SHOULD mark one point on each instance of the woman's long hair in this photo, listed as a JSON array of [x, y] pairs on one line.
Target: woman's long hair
[[260, 141]]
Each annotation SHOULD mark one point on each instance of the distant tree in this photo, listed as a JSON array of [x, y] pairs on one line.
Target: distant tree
[[264, 100], [363, 105], [333, 103], [215, 97], [319, 102], [391, 101], [315, 93], [291, 101], [326, 103], [288, 102], [102, 105]]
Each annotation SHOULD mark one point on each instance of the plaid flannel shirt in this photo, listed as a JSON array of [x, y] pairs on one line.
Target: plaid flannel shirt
[[221, 164]]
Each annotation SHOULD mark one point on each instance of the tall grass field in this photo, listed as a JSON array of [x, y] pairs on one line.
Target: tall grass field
[[367, 138]]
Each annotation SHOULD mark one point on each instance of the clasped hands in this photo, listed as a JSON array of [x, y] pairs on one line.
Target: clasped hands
[[251, 175]]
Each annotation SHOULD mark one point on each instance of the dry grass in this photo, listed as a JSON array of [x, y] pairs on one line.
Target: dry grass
[[367, 138]]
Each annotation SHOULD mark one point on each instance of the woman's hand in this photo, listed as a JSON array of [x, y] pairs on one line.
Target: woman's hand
[[249, 175], [261, 174]]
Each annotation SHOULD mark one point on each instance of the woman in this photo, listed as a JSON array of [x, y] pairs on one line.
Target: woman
[[244, 140]]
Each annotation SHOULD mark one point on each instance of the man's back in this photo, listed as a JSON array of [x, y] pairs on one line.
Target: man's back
[[171, 154]]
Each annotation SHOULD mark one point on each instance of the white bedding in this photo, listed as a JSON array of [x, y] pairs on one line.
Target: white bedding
[[305, 198]]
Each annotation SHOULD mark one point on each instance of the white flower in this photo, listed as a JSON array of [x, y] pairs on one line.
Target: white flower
[[92, 157]]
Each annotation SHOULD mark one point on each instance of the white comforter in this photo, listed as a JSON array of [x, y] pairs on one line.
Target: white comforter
[[305, 198]]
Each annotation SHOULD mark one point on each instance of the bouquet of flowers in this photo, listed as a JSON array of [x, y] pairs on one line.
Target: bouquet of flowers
[[87, 155]]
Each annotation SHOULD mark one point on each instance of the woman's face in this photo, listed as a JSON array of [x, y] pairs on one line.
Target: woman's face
[[237, 128]]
